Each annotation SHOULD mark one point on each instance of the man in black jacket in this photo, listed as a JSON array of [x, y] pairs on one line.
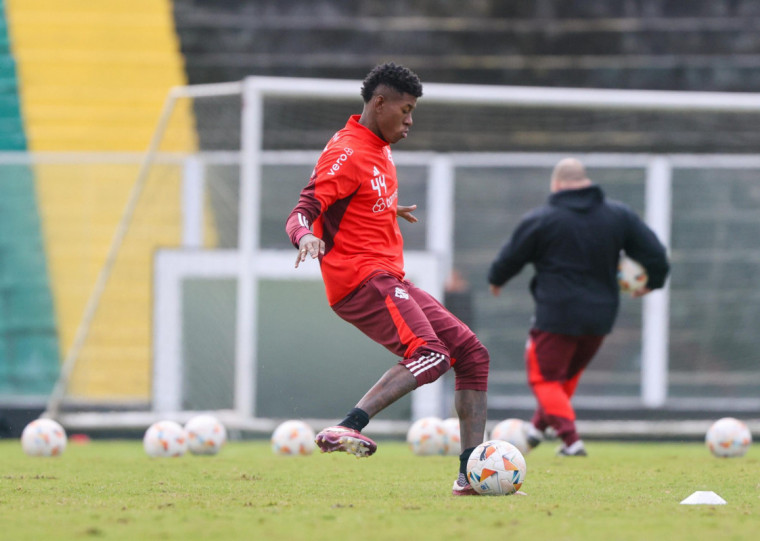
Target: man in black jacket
[[574, 243]]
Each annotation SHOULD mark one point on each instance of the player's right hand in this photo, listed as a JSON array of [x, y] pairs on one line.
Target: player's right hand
[[309, 245]]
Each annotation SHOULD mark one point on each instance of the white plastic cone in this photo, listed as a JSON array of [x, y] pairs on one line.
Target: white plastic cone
[[704, 497]]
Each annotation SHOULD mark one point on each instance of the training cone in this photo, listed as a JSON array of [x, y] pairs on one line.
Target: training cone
[[704, 497]]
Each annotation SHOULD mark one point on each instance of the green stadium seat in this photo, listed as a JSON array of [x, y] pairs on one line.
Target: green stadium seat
[[29, 358]]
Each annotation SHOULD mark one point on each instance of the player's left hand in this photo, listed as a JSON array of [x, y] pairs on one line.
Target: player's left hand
[[405, 212], [495, 290]]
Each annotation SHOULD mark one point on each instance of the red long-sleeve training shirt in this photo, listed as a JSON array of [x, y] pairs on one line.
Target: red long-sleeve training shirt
[[351, 201]]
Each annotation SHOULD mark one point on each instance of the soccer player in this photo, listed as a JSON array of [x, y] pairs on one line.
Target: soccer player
[[574, 243], [351, 203]]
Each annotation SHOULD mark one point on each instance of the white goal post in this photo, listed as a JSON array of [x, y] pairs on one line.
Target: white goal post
[[250, 262], [172, 267]]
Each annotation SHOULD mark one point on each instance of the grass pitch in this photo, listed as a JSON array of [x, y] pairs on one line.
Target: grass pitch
[[112, 490]]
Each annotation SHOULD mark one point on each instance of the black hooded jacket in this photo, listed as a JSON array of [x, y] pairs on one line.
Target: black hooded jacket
[[574, 243]]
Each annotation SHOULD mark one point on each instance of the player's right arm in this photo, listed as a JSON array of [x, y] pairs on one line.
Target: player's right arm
[[331, 180], [515, 254], [299, 223]]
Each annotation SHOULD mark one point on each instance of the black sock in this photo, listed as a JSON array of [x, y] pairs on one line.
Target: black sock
[[356, 418], [463, 458]]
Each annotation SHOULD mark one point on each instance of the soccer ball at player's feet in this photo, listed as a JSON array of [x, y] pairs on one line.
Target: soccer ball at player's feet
[[728, 438], [205, 435], [293, 438], [496, 468], [43, 437]]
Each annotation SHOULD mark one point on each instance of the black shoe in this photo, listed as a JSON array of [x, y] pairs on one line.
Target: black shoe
[[533, 436]]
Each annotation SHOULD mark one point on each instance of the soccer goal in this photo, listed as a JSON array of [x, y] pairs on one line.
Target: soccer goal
[[216, 318]]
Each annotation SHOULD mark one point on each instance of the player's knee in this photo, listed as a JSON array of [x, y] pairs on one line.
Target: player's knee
[[472, 369], [427, 366]]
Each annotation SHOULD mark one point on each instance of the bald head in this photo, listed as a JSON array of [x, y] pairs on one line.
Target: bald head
[[569, 174]]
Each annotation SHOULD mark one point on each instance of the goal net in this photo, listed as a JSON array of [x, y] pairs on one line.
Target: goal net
[[197, 307]]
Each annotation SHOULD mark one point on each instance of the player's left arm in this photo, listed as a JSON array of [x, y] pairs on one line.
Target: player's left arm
[[405, 212], [640, 292], [642, 245]]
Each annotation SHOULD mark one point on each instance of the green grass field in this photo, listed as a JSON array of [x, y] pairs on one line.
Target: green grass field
[[112, 490]]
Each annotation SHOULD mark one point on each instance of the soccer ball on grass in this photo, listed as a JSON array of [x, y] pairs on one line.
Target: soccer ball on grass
[[728, 437], [165, 439], [293, 438], [452, 440], [427, 436], [496, 468], [513, 431], [205, 435], [43, 437]]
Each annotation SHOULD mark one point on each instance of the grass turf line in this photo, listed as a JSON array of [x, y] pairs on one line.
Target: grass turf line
[[112, 490]]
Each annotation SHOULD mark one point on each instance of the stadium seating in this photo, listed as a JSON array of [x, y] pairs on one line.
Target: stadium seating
[[93, 78], [699, 45], [659, 45], [28, 340]]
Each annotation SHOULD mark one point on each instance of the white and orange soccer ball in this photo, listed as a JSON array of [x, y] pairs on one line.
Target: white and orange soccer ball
[[452, 440], [427, 436], [205, 435], [43, 437], [293, 438], [513, 431], [165, 439], [632, 276], [728, 437], [496, 468]]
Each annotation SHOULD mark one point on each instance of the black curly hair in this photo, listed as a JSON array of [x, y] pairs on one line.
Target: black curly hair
[[399, 78]]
